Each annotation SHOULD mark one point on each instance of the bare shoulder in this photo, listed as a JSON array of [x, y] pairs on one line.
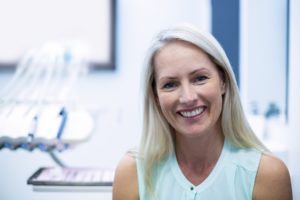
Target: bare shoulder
[[125, 185], [272, 180]]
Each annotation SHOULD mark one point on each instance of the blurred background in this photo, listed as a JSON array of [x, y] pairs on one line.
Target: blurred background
[[261, 38]]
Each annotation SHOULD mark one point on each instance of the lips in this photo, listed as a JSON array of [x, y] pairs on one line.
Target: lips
[[192, 113]]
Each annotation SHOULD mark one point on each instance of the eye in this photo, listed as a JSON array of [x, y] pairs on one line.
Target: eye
[[169, 85], [200, 79]]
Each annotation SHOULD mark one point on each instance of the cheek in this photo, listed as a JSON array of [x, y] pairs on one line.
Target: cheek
[[217, 104], [163, 101], [166, 103], [215, 98]]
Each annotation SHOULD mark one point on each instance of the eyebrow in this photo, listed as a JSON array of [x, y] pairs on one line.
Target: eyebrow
[[202, 69], [166, 78]]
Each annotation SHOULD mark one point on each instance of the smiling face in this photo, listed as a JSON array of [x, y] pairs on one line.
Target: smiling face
[[189, 89]]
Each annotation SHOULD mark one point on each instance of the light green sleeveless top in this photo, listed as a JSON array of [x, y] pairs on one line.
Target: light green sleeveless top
[[232, 178]]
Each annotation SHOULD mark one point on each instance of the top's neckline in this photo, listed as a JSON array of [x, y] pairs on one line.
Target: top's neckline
[[184, 182]]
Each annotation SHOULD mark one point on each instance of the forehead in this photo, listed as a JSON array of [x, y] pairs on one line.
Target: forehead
[[180, 55], [177, 51], [176, 45]]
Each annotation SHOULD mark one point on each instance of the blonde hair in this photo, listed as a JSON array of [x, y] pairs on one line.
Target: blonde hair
[[157, 142]]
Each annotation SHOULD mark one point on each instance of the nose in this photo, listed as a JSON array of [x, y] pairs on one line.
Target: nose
[[188, 95]]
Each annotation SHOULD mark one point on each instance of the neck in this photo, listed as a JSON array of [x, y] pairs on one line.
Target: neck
[[198, 156]]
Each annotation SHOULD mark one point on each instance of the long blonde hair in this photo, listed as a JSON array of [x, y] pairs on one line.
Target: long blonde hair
[[157, 142]]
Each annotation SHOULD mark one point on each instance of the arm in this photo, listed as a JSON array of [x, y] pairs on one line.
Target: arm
[[272, 180], [125, 185]]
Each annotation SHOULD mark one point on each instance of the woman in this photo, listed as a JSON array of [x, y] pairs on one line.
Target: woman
[[196, 141]]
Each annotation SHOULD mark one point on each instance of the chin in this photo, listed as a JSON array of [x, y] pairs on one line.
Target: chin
[[192, 133]]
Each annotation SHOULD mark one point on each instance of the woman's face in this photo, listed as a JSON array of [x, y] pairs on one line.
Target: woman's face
[[189, 89]]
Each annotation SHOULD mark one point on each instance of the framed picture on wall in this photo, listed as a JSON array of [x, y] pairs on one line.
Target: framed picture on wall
[[31, 23]]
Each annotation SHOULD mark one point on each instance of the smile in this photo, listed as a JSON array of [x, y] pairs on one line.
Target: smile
[[192, 113]]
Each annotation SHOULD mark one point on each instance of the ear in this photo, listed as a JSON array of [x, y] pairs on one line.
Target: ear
[[223, 86], [222, 81], [156, 98], [154, 91]]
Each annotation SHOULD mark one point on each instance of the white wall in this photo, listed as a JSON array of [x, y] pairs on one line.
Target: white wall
[[294, 96], [114, 97], [263, 51], [263, 69], [264, 78]]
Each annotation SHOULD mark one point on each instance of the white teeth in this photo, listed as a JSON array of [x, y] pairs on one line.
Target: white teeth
[[192, 113]]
